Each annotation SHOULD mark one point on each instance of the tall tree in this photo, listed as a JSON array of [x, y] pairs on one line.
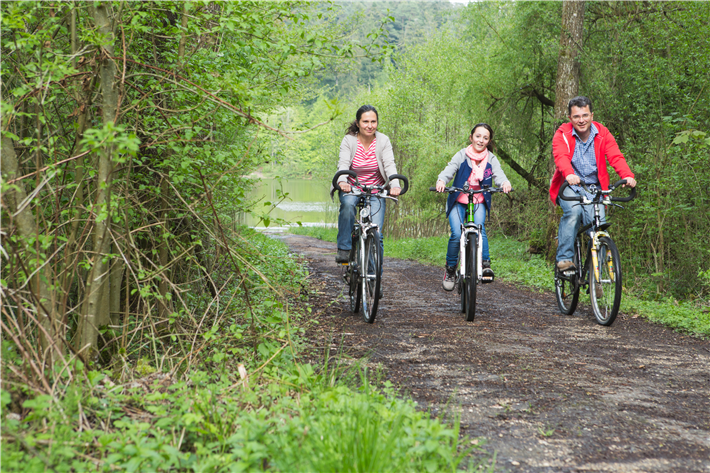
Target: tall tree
[[567, 82], [566, 87]]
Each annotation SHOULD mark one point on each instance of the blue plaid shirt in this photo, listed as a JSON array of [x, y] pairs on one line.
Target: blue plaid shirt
[[584, 161]]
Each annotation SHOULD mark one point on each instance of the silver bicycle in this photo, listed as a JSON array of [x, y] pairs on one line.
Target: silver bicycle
[[363, 271]]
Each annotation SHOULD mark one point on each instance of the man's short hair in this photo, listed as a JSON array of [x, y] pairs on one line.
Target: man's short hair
[[579, 101]]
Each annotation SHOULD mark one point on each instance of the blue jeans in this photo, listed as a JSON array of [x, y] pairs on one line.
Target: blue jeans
[[456, 216], [346, 218], [572, 215]]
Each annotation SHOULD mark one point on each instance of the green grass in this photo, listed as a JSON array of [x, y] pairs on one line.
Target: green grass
[[287, 415], [512, 262]]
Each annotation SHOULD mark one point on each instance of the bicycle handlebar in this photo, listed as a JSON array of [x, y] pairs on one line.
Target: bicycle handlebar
[[612, 187], [405, 181], [452, 189]]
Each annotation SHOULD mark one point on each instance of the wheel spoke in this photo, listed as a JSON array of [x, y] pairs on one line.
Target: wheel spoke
[[606, 290], [372, 269]]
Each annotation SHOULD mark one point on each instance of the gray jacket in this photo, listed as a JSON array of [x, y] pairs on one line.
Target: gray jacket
[[383, 152], [450, 170]]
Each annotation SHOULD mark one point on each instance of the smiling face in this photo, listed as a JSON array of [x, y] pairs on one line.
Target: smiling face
[[480, 139], [367, 124], [581, 119]]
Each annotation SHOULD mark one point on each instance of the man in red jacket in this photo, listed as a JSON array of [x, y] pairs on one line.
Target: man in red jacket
[[580, 148]]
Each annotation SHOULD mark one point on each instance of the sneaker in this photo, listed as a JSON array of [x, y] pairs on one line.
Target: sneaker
[[449, 278], [343, 256], [565, 265], [488, 274]]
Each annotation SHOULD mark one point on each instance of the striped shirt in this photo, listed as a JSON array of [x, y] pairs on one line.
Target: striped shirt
[[584, 160], [365, 166]]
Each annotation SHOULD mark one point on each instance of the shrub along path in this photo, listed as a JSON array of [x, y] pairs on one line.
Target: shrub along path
[[548, 392]]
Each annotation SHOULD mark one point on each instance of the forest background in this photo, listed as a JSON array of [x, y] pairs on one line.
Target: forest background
[[135, 306]]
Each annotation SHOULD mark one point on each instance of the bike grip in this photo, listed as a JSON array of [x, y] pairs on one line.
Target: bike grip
[[618, 183], [631, 196], [340, 173], [564, 186], [433, 189], [405, 186]]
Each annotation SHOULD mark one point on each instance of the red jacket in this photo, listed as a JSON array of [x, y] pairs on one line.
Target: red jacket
[[604, 146]]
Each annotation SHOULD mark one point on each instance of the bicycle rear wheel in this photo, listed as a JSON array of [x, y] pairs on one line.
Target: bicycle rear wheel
[[471, 278], [372, 272], [605, 291], [567, 288], [353, 269]]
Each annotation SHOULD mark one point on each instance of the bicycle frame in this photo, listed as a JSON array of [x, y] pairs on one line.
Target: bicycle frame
[[466, 229], [600, 270], [597, 230], [363, 270]]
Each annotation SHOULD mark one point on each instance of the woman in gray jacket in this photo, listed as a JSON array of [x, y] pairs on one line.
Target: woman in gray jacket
[[369, 153], [479, 167]]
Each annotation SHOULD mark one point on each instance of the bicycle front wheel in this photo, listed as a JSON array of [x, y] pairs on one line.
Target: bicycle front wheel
[[353, 268], [372, 272], [605, 290], [471, 278]]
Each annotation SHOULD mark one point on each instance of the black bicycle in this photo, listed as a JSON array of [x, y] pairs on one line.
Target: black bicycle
[[602, 263], [470, 269], [363, 271]]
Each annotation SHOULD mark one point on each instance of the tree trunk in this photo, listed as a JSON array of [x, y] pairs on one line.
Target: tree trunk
[[51, 330], [567, 83], [96, 310], [566, 87]]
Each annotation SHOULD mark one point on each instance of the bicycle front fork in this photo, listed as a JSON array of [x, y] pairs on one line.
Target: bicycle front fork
[[462, 251]]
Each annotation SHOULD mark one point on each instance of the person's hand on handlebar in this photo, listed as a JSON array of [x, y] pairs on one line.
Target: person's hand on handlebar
[[394, 191], [573, 179], [506, 187], [630, 181], [440, 186], [345, 187]]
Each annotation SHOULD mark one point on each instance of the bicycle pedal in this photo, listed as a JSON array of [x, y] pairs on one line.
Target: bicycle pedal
[[568, 274], [487, 279]]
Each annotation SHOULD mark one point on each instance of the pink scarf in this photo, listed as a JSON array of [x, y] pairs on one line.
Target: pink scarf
[[479, 161]]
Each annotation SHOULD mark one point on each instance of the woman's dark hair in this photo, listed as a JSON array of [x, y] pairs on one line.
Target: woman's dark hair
[[352, 129], [490, 130]]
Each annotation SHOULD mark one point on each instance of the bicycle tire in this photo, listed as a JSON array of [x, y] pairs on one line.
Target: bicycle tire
[[371, 276], [471, 277], [567, 291], [606, 291], [462, 292], [354, 288], [460, 284]]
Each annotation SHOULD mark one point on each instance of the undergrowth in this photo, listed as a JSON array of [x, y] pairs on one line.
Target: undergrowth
[[512, 262], [248, 400]]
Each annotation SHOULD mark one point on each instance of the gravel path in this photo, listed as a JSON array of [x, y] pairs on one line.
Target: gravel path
[[551, 393]]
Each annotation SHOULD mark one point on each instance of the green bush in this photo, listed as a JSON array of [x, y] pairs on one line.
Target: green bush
[[283, 415]]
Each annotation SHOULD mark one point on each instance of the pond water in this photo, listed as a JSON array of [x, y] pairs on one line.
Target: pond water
[[308, 202]]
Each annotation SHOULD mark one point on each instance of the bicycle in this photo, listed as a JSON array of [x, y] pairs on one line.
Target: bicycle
[[364, 280], [470, 248], [602, 259]]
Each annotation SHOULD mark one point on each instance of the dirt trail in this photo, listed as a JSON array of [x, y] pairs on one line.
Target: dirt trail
[[550, 392]]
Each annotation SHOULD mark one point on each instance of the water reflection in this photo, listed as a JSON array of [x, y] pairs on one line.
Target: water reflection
[[308, 202]]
